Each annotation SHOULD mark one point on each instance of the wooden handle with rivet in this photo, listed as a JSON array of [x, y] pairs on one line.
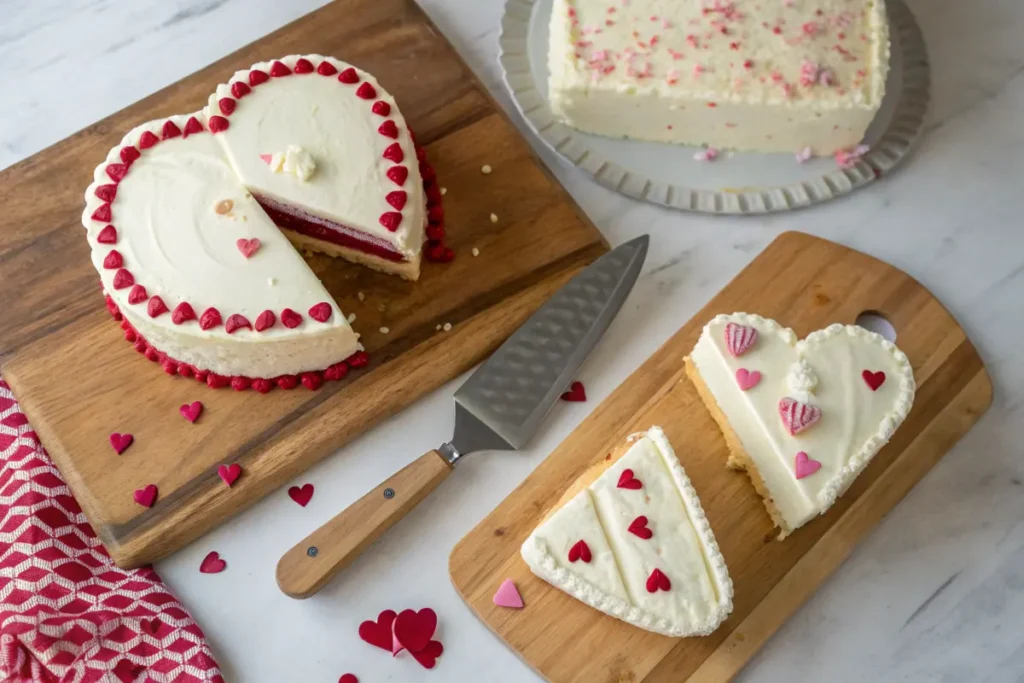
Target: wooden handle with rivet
[[304, 569]]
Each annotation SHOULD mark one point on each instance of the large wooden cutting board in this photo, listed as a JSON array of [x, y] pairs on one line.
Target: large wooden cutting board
[[805, 283], [78, 380]]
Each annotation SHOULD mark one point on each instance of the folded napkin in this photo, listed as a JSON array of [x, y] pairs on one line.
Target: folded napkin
[[66, 612]]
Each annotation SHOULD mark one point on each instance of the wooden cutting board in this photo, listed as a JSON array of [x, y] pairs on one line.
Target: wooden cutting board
[[805, 283], [78, 380]]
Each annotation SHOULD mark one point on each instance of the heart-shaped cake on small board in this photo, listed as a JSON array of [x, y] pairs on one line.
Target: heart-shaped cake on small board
[[821, 407], [195, 221]]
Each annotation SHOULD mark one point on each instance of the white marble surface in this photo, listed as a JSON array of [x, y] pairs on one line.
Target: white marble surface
[[935, 593]]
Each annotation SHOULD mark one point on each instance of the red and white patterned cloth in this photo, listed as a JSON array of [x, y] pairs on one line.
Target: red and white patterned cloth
[[67, 613]]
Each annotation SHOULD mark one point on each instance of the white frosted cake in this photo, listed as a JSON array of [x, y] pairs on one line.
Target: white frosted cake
[[803, 418], [630, 539], [782, 76]]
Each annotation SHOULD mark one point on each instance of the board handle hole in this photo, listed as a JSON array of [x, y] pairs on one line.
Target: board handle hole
[[876, 322]]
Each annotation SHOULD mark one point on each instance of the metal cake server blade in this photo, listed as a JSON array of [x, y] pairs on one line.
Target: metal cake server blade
[[498, 408]]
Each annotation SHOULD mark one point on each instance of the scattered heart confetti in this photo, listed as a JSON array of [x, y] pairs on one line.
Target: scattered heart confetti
[[191, 411], [628, 481], [146, 496], [638, 527], [805, 466], [576, 393], [508, 595], [580, 551], [121, 442], [427, 657], [747, 379], [301, 495], [873, 379], [248, 247], [379, 633], [229, 473], [212, 564], [413, 630]]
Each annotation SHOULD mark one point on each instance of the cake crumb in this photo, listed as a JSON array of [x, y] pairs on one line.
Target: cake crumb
[[362, 297], [447, 327], [223, 207], [438, 328], [486, 169], [494, 218], [444, 191], [381, 308], [476, 252], [384, 330], [271, 281], [351, 318]]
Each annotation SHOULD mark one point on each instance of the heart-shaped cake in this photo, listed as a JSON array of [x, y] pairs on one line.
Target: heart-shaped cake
[[630, 539], [821, 408], [194, 221]]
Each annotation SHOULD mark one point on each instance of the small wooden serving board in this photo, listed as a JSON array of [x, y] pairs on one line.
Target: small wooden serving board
[[805, 283], [79, 381]]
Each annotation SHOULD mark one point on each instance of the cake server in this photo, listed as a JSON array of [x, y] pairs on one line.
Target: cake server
[[499, 408]]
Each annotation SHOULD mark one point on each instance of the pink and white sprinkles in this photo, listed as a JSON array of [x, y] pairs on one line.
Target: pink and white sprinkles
[[797, 416], [739, 338], [849, 158], [708, 154]]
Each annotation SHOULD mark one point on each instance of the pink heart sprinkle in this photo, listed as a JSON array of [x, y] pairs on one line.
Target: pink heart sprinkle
[[212, 564], [805, 466], [120, 442], [266, 158], [508, 595], [146, 496], [191, 411], [229, 473], [747, 379], [248, 247]]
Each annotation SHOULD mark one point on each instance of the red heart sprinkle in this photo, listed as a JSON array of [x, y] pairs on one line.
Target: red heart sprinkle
[[320, 312], [436, 252], [147, 140], [210, 318], [183, 312], [156, 306], [377, 633], [394, 153], [348, 678], [287, 381], [212, 564], [366, 91], [388, 129], [303, 66], [427, 171], [358, 359], [117, 172], [229, 473], [129, 154], [218, 123], [240, 383], [398, 174], [107, 235], [311, 380], [278, 69], [236, 321], [191, 411], [263, 386], [435, 214], [265, 320], [576, 394], [435, 231], [397, 199], [348, 76], [381, 108], [170, 130], [215, 381], [873, 379], [256, 77], [391, 220], [106, 192], [240, 89], [413, 630], [122, 279], [628, 481], [226, 105], [137, 295], [290, 318], [193, 126], [326, 69], [657, 580], [146, 496], [121, 442], [302, 495], [102, 213], [336, 371], [248, 247], [639, 528], [580, 551], [113, 260], [427, 657]]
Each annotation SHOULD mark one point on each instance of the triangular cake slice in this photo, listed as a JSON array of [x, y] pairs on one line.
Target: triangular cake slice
[[327, 153], [630, 539], [802, 417], [206, 284]]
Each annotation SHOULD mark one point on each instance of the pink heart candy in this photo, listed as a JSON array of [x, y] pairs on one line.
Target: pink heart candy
[[805, 465], [747, 379], [248, 247]]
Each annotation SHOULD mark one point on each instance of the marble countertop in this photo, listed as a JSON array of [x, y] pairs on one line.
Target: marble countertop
[[936, 592]]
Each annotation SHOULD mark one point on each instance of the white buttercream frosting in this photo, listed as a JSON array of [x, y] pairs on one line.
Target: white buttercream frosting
[[682, 546], [802, 380], [295, 160]]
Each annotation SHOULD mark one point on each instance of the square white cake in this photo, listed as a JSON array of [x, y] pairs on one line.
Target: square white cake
[[755, 75]]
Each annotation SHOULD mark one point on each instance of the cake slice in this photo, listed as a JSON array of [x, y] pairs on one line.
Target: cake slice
[[630, 539], [738, 74], [803, 418], [204, 281], [326, 152]]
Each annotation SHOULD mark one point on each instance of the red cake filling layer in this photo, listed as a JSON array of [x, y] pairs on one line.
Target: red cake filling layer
[[304, 223]]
